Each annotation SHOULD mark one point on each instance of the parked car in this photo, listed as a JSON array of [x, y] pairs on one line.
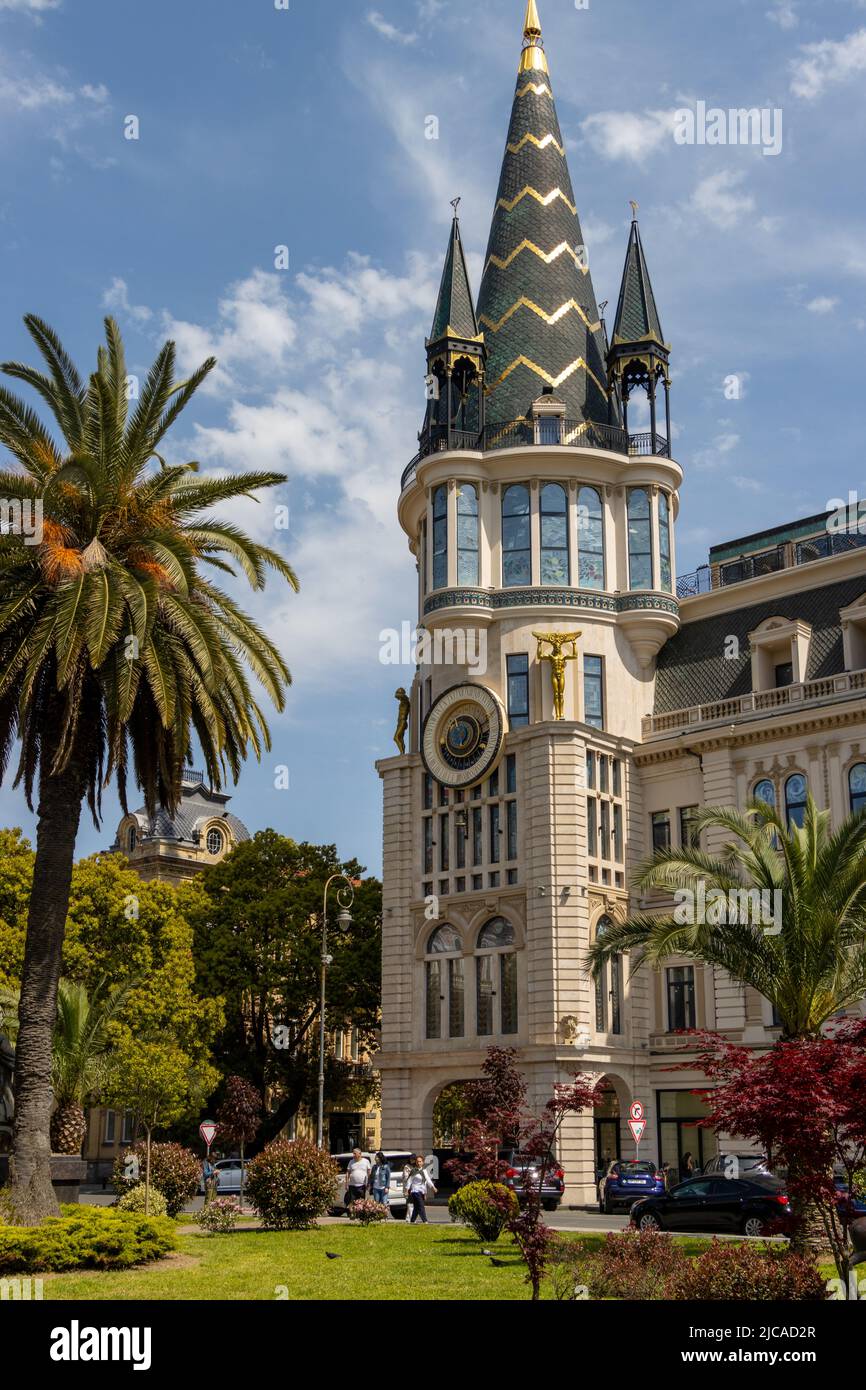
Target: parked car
[[397, 1160], [850, 1208], [748, 1206], [523, 1171], [738, 1165], [626, 1181], [228, 1178]]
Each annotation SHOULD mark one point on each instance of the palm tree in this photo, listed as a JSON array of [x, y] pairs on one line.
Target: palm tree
[[116, 646], [815, 965], [81, 1058]]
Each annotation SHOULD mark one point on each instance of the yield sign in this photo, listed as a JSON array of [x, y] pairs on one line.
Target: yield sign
[[207, 1129], [637, 1128]]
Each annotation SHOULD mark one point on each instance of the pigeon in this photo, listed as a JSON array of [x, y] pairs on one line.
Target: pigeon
[[332, 1256], [498, 1264], [487, 1252]]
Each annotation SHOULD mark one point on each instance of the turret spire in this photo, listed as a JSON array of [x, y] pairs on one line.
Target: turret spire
[[537, 306], [456, 354], [638, 354]]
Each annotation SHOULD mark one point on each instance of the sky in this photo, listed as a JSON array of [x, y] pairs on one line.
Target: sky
[[265, 124]]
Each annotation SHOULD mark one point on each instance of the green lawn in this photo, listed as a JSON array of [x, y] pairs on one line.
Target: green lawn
[[383, 1262]]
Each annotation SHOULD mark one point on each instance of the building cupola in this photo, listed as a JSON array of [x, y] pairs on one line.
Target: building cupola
[[456, 357], [638, 356]]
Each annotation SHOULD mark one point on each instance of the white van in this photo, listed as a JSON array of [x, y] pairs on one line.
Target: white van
[[397, 1160]]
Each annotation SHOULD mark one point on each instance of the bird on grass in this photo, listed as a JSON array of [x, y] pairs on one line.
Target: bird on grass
[[498, 1264], [332, 1256]]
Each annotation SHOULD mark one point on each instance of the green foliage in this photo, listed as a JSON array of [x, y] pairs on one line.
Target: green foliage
[[475, 1207], [291, 1184], [84, 1238], [16, 879], [81, 1057], [136, 1198], [157, 1082], [175, 1172], [748, 1274], [367, 1212], [219, 1217]]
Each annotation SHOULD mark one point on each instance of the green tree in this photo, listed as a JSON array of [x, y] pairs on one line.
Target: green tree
[[16, 881], [814, 966], [159, 1084], [82, 1058], [116, 647], [258, 945]]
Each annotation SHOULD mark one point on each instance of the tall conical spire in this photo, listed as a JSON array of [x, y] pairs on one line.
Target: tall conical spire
[[638, 355], [637, 318], [455, 313], [537, 306]]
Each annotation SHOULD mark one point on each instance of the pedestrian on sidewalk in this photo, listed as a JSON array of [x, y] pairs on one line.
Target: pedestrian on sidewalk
[[419, 1187], [380, 1180], [357, 1177]]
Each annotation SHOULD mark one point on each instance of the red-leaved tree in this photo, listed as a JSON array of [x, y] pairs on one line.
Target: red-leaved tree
[[804, 1101], [239, 1118], [502, 1119]]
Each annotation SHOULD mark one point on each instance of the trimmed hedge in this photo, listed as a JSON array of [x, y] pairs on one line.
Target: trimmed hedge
[[85, 1238], [291, 1183], [483, 1207], [174, 1170], [134, 1200]]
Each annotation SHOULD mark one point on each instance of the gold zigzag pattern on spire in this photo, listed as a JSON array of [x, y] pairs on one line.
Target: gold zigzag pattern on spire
[[539, 144], [548, 257], [539, 88], [545, 199], [524, 303], [553, 381]]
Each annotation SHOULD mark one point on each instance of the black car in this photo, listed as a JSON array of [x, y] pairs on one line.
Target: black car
[[524, 1171], [741, 1206]]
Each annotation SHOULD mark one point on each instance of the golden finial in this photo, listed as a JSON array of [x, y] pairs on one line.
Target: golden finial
[[634, 209], [533, 58], [532, 27]]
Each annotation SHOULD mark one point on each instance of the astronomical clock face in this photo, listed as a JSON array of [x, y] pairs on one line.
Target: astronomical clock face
[[463, 736]]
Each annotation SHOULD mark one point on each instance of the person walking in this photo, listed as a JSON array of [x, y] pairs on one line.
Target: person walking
[[380, 1180], [210, 1177], [687, 1166], [357, 1177], [419, 1187]]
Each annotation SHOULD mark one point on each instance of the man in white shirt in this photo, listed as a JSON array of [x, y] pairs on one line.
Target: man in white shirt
[[358, 1176]]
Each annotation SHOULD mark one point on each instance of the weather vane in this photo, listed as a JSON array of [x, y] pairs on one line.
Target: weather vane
[[634, 208], [455, 203]]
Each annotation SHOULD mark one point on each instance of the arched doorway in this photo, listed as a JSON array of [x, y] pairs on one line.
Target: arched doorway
[[608, 1147], [451, 1116]]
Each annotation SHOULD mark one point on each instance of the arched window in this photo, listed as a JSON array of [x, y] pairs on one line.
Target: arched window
[[590, 540], [796, 795], [440, 538], [496, 979], [467, 534], [857, 787], [554, 536], [214, 842], [516, 544], [665, 542], [131, 839], [608, 989], [444, 985], [766, 792], [640, 542]]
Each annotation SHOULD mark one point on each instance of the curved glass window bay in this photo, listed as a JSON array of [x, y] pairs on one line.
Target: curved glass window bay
[[516, 543], [440, 538], [665, 543], [554, 536], [467, 534], [590, 539], [640, 544]]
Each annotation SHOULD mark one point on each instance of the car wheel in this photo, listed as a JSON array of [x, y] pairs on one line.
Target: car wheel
[[649, 1222], [608, 1207], [550, 1206], [753, 1226]]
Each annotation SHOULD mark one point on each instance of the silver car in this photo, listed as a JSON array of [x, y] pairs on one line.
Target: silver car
[[228, 1171]]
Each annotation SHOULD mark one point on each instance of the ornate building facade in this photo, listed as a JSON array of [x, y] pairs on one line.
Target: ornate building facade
[[597, 700]]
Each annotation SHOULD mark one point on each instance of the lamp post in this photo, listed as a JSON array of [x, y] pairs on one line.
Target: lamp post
[[344, 919]]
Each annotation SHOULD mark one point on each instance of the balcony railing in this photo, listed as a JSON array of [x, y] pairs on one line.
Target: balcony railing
[[546, 431], [772, 561], [787, 697]]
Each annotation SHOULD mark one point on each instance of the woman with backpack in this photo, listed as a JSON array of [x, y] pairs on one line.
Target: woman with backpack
[[418, 1187]]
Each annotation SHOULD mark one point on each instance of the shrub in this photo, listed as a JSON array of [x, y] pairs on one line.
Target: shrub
[[134, 1200], [484, 1208], [748, 1273], [291, 1183], [220, 1216], [84, 1238], [631, 1265], [367, 1212], [174, 1170]]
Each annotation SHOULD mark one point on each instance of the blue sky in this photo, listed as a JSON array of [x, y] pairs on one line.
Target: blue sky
[[306, 128]]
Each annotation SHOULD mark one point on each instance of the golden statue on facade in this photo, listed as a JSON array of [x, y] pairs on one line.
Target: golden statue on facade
[[556, 641], [402, 719]]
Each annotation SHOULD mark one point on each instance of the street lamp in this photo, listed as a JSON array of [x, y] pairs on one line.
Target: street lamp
[[345, 897]]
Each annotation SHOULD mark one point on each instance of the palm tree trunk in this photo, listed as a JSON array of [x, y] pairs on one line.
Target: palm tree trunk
[[30, 1191]]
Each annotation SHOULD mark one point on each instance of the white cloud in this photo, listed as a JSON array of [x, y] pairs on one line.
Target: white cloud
[[784, 14], [254, 332], [34, 93], [745, 484], [827, 64], [378, 22], [822, 304], [34, 6], [628, 134], [717, 451], [116, 300], [715, 198]]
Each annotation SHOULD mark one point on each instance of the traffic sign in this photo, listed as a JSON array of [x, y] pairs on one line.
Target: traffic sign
[[636, 1110], [637, 1128], [207, 1129]]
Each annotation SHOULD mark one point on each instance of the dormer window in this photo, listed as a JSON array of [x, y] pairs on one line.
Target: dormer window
[[780, 653], [215, 842], [131, 839]]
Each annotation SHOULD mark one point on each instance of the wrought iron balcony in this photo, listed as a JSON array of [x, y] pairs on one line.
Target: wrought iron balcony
[[772, 561], [546, 431]]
